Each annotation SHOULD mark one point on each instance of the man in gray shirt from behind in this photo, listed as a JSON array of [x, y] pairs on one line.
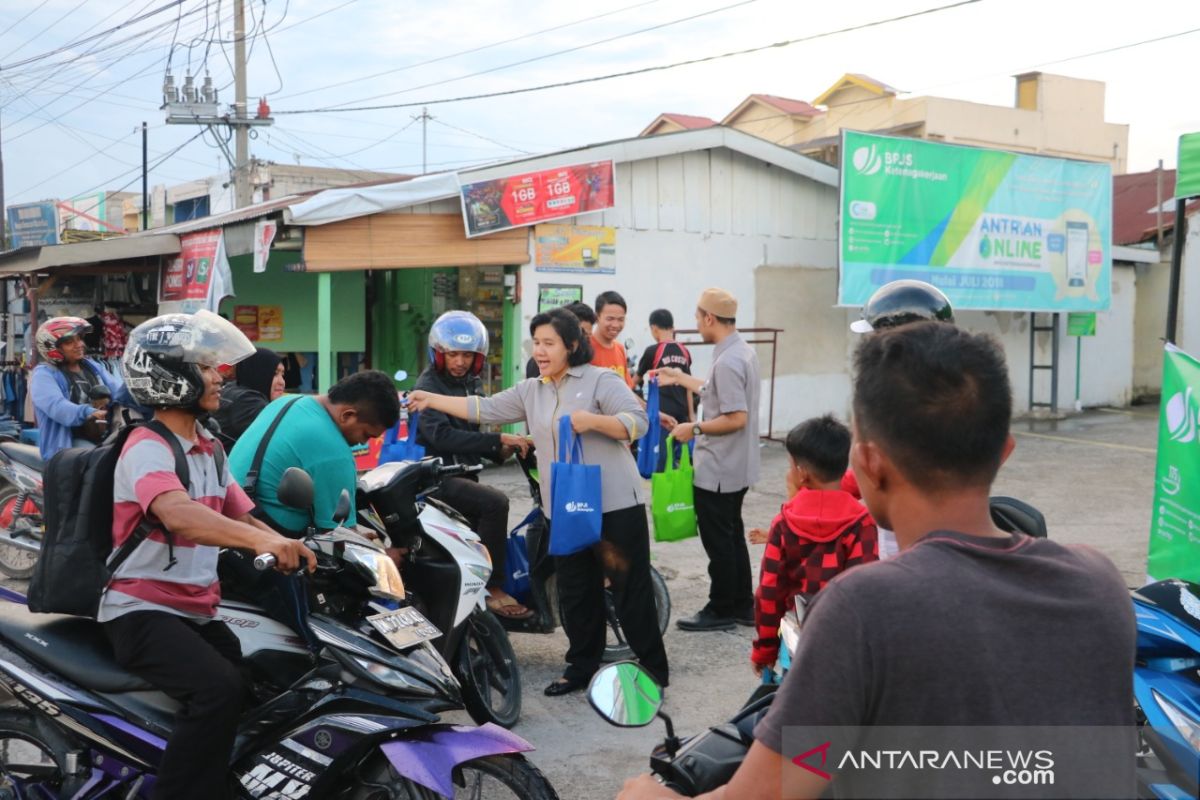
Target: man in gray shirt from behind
[[968, 626]]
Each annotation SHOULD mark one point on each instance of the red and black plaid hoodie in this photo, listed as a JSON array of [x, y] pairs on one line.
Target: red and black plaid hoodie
[[817, 535]]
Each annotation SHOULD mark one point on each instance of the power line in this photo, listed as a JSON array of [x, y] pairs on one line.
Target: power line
[[641, 71], [27, 14], [574, 49], [86, 39], [481, 136], [472, 50], [43, 30]]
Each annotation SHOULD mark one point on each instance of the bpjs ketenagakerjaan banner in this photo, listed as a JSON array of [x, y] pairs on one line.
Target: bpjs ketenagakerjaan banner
[[1175, 525], [994, 230]]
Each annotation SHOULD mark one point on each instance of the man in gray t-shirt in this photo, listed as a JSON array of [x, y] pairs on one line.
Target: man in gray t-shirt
[[727, 460], [968, 626]]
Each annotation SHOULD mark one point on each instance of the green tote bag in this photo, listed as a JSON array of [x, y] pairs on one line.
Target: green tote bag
[[672, 499]]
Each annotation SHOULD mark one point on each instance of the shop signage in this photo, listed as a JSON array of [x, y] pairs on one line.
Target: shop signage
[[270, 323], [33, 224], [994, 230], [246, 320], [557, 295], [575, 248], [1175, 526], [532, 197], [198, 277]]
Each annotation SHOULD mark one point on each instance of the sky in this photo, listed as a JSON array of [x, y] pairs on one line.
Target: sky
[[70, 122]]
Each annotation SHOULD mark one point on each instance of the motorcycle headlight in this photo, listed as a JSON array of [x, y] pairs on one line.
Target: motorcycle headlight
[[392, 677], [388, 582], [1187, 727]]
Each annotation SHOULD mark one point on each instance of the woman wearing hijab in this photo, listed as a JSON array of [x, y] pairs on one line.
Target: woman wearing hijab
[[257, 381]]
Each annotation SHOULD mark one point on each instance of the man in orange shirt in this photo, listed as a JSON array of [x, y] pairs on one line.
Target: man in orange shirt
[[610, 321]]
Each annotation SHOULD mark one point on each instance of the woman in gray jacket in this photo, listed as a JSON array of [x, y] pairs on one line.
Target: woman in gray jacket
[[607, 416]]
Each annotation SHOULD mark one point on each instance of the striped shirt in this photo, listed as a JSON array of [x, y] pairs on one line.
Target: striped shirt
[[145, 581]]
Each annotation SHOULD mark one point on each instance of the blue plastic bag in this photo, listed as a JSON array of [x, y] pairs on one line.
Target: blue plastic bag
[[576, 497], [651, 441], [407, 450], [516, 572]]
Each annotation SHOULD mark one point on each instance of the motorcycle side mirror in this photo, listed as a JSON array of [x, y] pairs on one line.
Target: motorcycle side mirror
[[626, 695], [296, 489], [341, 511]]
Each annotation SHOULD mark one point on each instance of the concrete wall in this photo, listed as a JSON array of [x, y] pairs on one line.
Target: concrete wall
[[1150, 318], [1189, 290]]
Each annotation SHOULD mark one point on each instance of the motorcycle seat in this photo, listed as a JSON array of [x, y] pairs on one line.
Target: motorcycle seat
[[74, 647], [25, 454]]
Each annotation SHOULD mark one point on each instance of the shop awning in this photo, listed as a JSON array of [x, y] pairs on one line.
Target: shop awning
[[335, 205], [28, 260]]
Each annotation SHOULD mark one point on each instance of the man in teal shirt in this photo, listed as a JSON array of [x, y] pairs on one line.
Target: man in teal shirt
[[316, 434]]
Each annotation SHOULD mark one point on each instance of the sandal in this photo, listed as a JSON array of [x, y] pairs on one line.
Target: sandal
[[508, 608]]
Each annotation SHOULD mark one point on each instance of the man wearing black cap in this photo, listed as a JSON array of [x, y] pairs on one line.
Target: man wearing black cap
[[727, 460]]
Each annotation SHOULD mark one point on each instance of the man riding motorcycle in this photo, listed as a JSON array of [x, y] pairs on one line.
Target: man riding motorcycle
[[458, 346]]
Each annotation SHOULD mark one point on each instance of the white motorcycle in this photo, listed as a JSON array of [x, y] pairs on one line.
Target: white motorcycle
[[446, 570]]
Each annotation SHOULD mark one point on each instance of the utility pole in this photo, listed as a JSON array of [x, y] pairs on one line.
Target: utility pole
[[424, 117], [145, 183], [241, 176]]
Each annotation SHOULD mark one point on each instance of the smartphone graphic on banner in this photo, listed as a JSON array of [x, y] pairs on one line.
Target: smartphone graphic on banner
[[1077, 253]]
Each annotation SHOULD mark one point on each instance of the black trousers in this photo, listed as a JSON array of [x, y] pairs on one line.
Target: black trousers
[[196, 664], [487, 511], [622, 556], [719, 517]]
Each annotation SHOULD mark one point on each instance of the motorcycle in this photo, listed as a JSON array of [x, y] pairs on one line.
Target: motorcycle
[[21, 503], [22, 496], [446, 570], [542, 595], [1166, 689], [346, 704]]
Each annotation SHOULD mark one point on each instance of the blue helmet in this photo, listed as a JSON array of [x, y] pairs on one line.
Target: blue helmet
[[458, 332]]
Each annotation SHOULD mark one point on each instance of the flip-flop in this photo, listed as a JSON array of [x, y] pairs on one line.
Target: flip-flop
[[508, 608]]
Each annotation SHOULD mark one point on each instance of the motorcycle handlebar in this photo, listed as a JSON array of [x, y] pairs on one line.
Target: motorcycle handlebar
[[265, 561], [458, 469]]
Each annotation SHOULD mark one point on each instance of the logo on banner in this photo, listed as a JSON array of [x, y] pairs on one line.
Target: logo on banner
[[867, 160], [1181, 417], [573, 507]]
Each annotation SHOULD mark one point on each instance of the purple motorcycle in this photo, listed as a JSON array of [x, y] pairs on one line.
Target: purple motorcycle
[[347, 692]]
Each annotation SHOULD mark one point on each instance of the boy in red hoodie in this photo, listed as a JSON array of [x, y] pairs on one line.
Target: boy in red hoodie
[[820, 532]]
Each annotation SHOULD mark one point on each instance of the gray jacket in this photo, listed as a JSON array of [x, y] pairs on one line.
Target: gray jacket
[[540, 403]]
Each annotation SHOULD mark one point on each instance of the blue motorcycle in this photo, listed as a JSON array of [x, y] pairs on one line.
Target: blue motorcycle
[[1166, 688]]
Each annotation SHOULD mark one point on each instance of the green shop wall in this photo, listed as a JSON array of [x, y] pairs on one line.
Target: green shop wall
[[403, 314], [296, 292]]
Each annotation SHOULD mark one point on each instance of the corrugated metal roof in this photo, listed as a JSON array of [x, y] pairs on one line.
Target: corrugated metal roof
[[121, 248], [229, 217]]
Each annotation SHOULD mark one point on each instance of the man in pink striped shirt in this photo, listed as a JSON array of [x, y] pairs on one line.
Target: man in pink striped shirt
[[159, 610]]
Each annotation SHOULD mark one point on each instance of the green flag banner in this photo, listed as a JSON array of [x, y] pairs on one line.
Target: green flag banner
[[1187, 178], [1175, 530]]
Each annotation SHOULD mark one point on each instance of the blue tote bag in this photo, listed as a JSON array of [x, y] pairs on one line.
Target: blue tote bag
[[647, 456], [576, 496], [516, 578], [406, 450]]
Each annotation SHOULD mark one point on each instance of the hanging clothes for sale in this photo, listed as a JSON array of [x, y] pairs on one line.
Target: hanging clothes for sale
[[116, 334]]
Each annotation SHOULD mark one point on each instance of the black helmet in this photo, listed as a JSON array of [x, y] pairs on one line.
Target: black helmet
[[901, 302], [164, 355]]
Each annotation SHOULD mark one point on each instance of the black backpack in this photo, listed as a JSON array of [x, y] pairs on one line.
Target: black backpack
[[77, 560]]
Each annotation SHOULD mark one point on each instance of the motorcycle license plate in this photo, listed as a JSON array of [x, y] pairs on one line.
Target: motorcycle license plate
[[404, 627]]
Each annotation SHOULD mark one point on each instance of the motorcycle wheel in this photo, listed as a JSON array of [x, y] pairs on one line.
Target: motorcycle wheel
[[15, 562], [486, 666], [492, 778], [616, 648], [30, 757]]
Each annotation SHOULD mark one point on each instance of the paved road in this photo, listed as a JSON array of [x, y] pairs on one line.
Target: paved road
[[1091, 475]]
